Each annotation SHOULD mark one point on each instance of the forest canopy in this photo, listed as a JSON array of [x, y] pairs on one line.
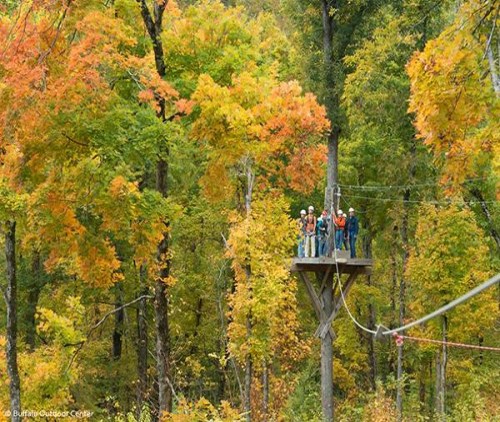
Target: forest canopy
[[155, 157]]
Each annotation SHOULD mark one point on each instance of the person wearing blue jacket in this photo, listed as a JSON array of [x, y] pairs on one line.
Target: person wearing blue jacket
[[352, 225]]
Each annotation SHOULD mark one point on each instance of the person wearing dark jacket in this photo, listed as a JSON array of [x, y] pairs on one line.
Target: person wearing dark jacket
[[322, 233], [352, 226]]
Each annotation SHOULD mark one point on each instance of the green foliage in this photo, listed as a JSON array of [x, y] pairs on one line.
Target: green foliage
[[243, 140]]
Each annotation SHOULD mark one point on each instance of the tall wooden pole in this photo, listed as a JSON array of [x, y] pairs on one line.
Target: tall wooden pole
[[327, 356]]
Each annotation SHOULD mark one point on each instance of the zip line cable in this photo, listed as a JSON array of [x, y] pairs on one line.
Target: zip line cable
[[469, 295], [388, 187], [422, 201]]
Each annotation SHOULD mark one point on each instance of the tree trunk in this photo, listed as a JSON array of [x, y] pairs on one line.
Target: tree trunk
[[248, 376], [142, 342], [161, 303], [438, 386], [265, 391], [484, 207], [402, 286], [331, 101], [399, 392], [395, 251], [11, 302], [495, 79], [250, 178], [441, 374], [34, 290], [402, 304], [421, 388], [153, 24], [248, 360], [372, 358], [119, 317], [327, 357]]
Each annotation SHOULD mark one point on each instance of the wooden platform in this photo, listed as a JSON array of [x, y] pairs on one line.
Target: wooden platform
[[346, 264], [327, 303]]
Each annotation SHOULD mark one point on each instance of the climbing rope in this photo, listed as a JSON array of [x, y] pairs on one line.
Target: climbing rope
[[362, 327]]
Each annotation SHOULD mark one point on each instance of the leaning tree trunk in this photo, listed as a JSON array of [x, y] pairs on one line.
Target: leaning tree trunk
[[11, 302]]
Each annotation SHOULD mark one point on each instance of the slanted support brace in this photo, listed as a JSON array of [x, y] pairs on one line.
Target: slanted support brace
[[318, 307], [337, 304]]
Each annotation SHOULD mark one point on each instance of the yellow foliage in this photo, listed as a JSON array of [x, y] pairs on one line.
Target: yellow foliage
[[456, 109], [202, 411], [380, 409]]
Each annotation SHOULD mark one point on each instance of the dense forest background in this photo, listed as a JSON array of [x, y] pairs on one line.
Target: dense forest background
[[153, 158]]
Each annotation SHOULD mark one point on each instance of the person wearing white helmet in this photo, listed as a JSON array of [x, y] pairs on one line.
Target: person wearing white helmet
[[339, 230], [310, 247], [352, 229], [301, 224]]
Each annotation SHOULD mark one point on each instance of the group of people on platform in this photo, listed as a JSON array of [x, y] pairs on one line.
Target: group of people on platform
[[315, 232]]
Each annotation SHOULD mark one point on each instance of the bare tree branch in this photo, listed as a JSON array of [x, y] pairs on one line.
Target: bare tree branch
[[104, 318]]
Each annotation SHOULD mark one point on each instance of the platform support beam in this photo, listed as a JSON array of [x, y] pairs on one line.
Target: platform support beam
[[327, 303], [327, 354]]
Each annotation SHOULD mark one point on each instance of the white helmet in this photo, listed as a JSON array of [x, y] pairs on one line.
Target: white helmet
[[351, 209], [311, 208], [339, 212], [303, 212]]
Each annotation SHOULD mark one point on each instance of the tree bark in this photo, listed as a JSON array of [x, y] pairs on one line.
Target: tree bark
[[248, 359], [486, 211], [153, 23], [265, 391], [402, 286], [119, 317], [142, 342], [161, 305], [331, 102], [438, 385], [327, 357], [247, 405], [34, 290], [402, 304], [11, 302], [250, 178], [495, 79], [372, 358], [421, 387], [441, 374]]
